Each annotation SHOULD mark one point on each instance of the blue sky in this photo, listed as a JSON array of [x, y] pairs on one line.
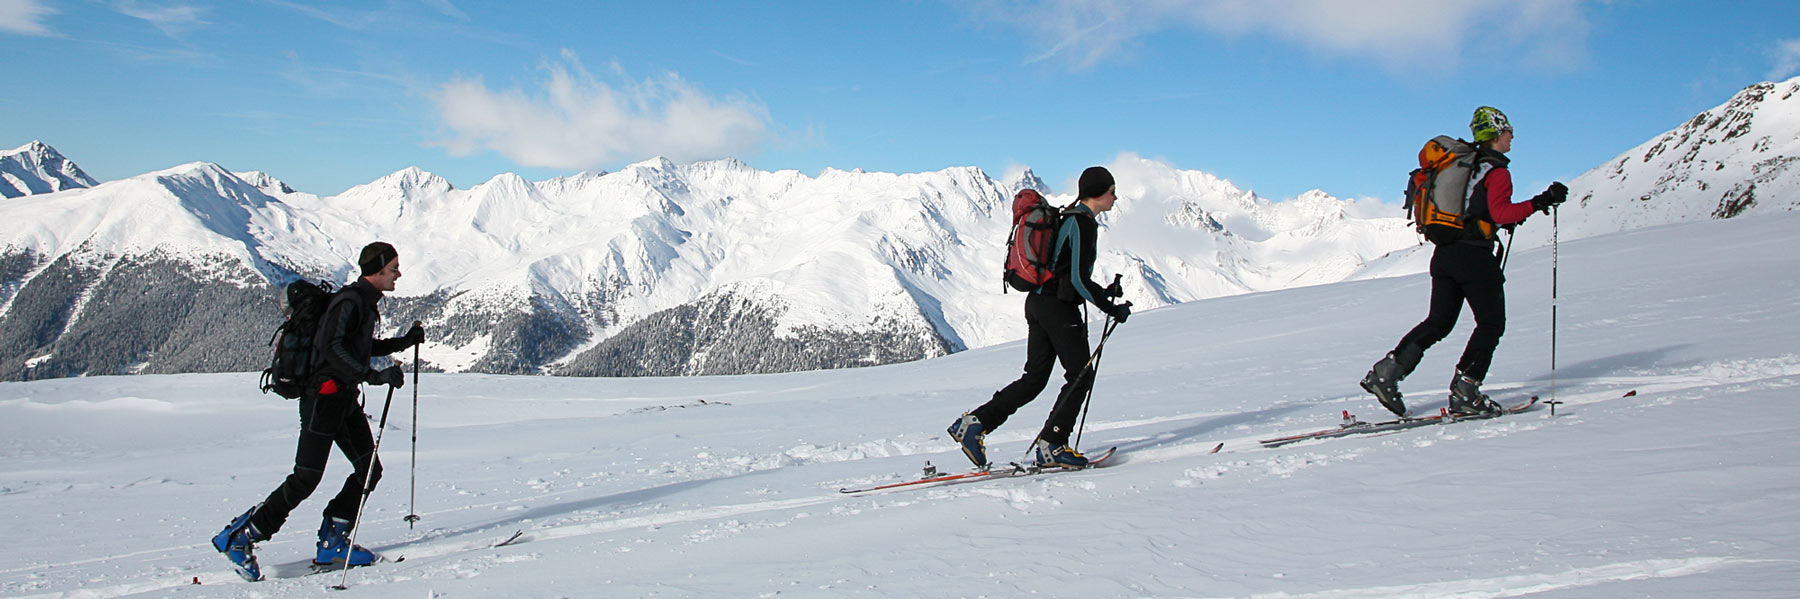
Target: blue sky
[[1279, 96]]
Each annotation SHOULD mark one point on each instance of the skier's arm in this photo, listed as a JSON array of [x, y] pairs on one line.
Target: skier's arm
[[1500, 205], [1082, 269], [384, 347]]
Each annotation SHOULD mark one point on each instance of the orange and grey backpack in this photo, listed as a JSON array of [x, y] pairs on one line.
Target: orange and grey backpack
[[1437, 193]]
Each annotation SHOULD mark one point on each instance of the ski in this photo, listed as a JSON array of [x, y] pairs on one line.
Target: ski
[[1014, 469], [1351, 426], [318, 568], [512, 539]]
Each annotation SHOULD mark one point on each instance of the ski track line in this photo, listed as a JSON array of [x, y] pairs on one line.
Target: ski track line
[[663, 519], [1529, 584]]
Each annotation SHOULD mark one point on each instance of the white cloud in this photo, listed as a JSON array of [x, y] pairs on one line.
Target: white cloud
[[577, 121], [1787, 59], [24, 17], [1399, 34], [173, 19]]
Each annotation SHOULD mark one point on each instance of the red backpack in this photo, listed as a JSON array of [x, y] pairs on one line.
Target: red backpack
[[1029, 250]]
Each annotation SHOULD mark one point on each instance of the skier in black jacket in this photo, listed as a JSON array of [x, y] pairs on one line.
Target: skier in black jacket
[[330, 414], [1058, 332]]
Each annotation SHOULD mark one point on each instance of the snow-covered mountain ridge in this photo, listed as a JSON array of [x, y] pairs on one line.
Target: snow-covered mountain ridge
[[717, 267], [36, 168], [659, 268]]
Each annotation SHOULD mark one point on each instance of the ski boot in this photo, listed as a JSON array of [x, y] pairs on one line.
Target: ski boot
[[1383, 381], [1466, 398], [1059, 456], [238, 543], [968, 433], [334, 543]]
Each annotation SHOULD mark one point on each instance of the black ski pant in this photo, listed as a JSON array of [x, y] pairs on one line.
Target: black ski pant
[[1461, 272], [1057, 333], [325, 420]]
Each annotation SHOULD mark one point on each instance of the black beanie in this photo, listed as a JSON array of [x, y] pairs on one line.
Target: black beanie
[[375, 256], [1095, 181]]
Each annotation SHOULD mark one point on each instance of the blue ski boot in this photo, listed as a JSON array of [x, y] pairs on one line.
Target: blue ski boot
[[1059, 456], [238, 543], [334, 542], [968, 433]]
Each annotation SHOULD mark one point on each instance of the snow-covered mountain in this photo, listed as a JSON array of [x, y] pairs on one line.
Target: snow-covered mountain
[[1740, 159], [37, 168], [717, 267], [659, 268]]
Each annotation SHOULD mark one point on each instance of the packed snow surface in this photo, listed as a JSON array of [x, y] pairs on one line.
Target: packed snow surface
[[728, 486]]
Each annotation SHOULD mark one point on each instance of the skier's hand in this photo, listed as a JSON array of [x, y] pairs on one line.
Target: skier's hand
[[1121, 311], [391, 376], [1556, 194], [415, 335]]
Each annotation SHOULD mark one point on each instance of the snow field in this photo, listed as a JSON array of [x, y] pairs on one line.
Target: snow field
[[727, 486]]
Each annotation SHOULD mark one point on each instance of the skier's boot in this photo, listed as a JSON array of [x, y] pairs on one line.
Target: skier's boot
[[334, 543], [1466, 398], [967, 432], [238, 543], [1059, 456], [1383, 381]]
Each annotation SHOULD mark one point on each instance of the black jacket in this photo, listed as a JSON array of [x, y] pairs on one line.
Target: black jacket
[[347, 335], [1075, 251]]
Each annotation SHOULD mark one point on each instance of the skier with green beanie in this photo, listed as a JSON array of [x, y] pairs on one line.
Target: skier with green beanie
[[1465, 268]]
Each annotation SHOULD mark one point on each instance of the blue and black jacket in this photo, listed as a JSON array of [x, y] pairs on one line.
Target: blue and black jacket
[[1074, 259]]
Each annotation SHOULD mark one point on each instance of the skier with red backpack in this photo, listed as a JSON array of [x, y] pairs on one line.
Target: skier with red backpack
[[1056, 289], [1458, 198]]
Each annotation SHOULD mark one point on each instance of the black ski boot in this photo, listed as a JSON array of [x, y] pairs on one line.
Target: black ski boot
[[1466, 398], [1383, 381]]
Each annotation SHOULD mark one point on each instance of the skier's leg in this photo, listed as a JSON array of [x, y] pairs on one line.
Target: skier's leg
[[1069, 335], [310, 456], [1040, 360]]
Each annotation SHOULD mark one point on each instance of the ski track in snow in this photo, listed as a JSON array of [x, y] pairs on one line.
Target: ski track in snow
[[1528, 584]]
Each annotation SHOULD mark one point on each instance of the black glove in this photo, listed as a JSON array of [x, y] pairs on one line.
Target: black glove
[[1114, 290], [1556, 194], [1121, 311], [392, 376], [415, 335]]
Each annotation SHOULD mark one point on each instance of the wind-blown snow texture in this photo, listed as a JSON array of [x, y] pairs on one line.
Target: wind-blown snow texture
[[727, 486], [716, 267]]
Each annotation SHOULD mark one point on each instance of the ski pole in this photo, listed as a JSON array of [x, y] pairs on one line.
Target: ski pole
[[1092, 372], [368, 475], [1554, 235], [412, 503]]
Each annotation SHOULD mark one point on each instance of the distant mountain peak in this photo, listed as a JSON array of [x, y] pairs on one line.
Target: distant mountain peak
[[409, 180], [36, 168], [1026, 179]]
